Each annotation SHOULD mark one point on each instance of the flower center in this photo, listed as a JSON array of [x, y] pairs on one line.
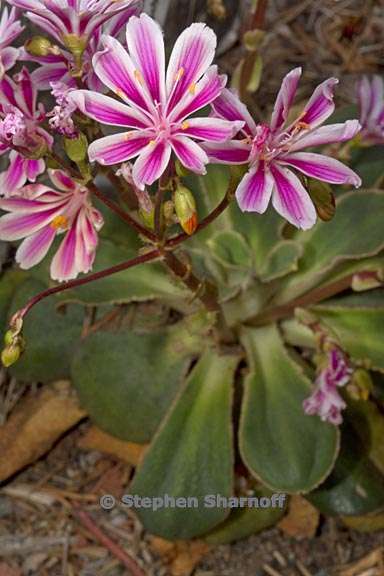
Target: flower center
[[60, 222]]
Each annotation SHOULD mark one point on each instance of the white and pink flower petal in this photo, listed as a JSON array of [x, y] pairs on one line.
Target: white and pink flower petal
[[210, 129], [229, 106], [190, 154], [191, 57], [17, 225], [322, 168], [34, 248], [116, 70], [47, 73], [320, 106], [232, 152], [63, 265], [328, 134], [62, 181], [285, 98], [15, 176], [118, 147], [34, 168], [108, 110], [27, 93], [254, 191], [364, 96], [207, 90], [8, 58], [146, 48], [291, 200], [151, 163]]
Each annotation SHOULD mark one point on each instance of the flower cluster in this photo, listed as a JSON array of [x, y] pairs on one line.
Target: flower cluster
[[157, 113], [326, 400]]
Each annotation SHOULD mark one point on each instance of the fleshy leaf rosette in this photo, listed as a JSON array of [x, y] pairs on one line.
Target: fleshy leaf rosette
[[157, 106], [273, 150]]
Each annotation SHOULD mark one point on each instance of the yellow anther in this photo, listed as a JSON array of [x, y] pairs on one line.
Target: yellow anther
[[192, 88], [152, 142], [303, 126], [59, 222], [120, 93], [185, 125], [138, 76], [180, 74]]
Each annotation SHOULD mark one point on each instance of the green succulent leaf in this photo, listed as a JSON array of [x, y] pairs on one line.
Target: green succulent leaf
[[244, 522], [358, 322], [282, 446], [52, 335], [355, 232], [143, 282], [192, 453], [127, 381], [368, 163], [230, 249], [355, 485]]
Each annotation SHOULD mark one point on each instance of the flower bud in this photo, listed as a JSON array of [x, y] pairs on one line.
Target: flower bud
[[10, 355], [40, 46], [9, 337], [148, 217], [76, 148], [185, 208]]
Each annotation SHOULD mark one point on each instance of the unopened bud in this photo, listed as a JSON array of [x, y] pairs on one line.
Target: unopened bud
[[181, 171], [185, 208], [75, 44], [9, 337], [76, 148], [40, 46], [148, 217], [10, 355]]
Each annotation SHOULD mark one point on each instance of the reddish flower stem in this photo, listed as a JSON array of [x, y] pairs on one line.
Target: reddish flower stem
[[152, 255], [106, 541]]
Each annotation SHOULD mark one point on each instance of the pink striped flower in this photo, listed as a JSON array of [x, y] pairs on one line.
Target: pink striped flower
[[59, 65], [325, 399], [273, 150], [10, 28], [40, 213], [370, 96], [20, 133], [73, 22], [157, 104]]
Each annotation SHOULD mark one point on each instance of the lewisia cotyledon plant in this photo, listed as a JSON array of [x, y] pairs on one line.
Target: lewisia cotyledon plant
[[39, 213], [273, 150], [21, 134], [157, 104], [326, 400], [370, 95], [10, 28]]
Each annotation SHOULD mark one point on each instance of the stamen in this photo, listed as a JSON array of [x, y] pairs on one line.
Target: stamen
[[185, 125], [59, 222], [138, 76], [120, 93], [192, 88], [179, 74]]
